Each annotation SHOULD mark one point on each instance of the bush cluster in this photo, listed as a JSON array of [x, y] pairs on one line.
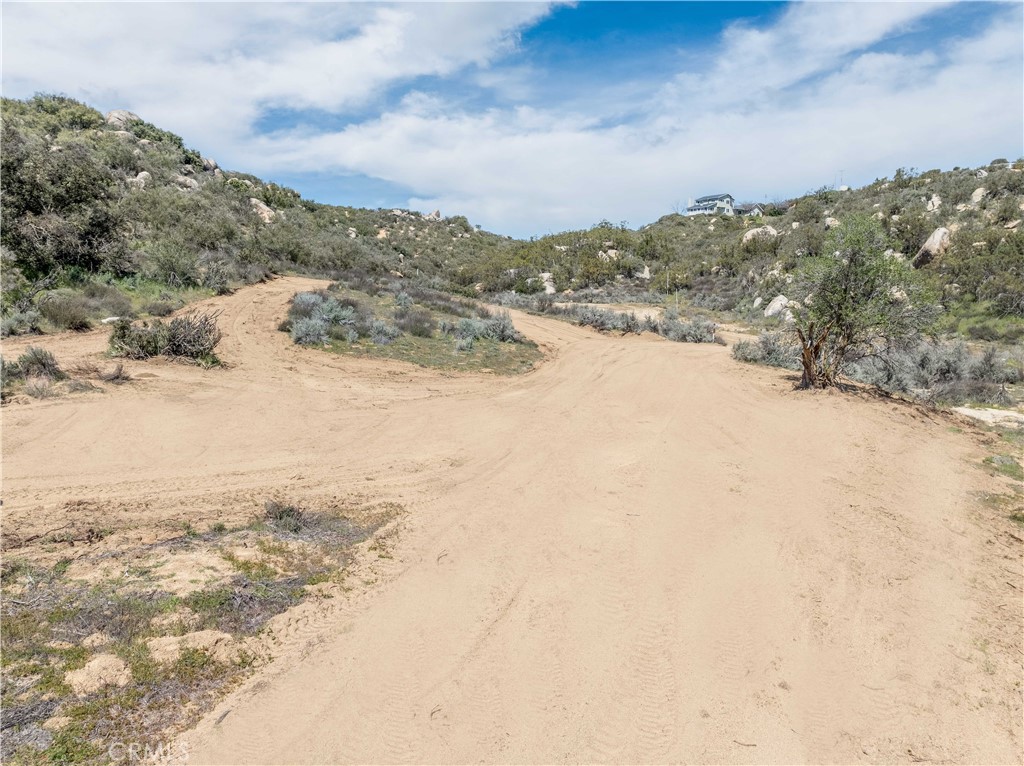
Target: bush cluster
[[498, 327], [193, 335], [772, 348]]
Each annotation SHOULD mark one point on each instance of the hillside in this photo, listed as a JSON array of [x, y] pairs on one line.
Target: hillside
[[122, 217], [114, 216]]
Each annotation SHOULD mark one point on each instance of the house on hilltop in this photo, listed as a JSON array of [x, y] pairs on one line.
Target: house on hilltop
[[722, 204], [713, 204], [754, 211]]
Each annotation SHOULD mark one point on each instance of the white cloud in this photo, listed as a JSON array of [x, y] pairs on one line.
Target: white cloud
[[844, 109], [773, 111], [207, 70]]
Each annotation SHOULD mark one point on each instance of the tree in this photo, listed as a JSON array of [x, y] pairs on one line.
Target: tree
[[859, 301]]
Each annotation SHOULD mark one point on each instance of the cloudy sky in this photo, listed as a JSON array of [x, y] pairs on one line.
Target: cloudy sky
[[533, 118]]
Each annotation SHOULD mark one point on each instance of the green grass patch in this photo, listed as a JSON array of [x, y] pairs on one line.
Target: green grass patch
[[440, 353], [1006, 465]]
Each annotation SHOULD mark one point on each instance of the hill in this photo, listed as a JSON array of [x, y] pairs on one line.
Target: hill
[[111, 215]]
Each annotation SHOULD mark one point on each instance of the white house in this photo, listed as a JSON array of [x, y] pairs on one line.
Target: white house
[[713, 204], [754, 211]]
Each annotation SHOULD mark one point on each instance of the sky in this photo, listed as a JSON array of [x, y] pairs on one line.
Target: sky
[[532, 118]]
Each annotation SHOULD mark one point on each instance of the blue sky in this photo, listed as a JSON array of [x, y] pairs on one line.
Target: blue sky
[[534, 117]]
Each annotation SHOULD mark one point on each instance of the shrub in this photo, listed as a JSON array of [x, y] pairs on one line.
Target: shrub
[[39, 363], [138, 341], [403, 300], [309, 331], [116, 375], [174, 266], [20, 323], [382, 333], [334, 313], [66, 311], [417, 322], [464, 344], [40, 388], [191, 336], [108, 299], [304, 304], [284, 516], [159, 308], [771, 348], [501, 329], [695, 331]]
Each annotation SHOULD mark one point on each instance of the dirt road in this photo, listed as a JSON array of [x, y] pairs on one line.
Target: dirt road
[[643, 552]]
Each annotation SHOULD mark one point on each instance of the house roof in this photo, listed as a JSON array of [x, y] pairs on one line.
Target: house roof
[[713, 198]]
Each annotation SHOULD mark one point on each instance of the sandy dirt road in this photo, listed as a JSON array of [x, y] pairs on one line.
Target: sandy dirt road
[[642, 552]]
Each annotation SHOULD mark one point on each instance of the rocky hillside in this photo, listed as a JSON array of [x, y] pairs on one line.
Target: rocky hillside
[[960, 228], [108, 214], [124, 211]]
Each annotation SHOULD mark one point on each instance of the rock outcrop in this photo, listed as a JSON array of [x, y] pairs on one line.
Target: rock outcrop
[[761, 231], [263, 210], [934, 246], [120, 118]]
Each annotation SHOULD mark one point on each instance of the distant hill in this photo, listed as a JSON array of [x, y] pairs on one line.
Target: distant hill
[[126, 207]]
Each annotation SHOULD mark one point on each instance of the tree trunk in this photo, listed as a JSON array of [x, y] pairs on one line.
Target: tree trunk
[[815, 375]]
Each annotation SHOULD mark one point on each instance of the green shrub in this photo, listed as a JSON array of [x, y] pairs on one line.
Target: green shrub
[[772, 348], [309, 331], [20, 323], [39, 363], [66, 311], [383, 333]]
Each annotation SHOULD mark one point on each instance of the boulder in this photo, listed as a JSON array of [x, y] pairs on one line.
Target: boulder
[[189, 184], [758, 301], [831, 223], [776, 305], [120, 118], [140, 181], [548, 280], [934, 246], [435, 216], [934, 203], [209, 164], [646, 273], [124, 134], [981, 173], [760, 231], [1012, 224], [261, 209], [978, 194], [795, 225]]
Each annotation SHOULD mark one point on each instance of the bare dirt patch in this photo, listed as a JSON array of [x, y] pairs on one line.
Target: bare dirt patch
[[641, 552]]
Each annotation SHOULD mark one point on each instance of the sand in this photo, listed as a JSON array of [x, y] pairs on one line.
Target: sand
[[641, 552]]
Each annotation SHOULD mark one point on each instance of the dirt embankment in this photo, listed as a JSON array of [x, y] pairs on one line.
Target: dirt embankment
[[641, 552]]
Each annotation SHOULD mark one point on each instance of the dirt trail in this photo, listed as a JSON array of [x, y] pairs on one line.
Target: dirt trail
[[642, 552]]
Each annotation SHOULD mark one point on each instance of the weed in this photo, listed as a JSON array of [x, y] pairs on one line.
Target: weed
[[284, 516], [40, 388]]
